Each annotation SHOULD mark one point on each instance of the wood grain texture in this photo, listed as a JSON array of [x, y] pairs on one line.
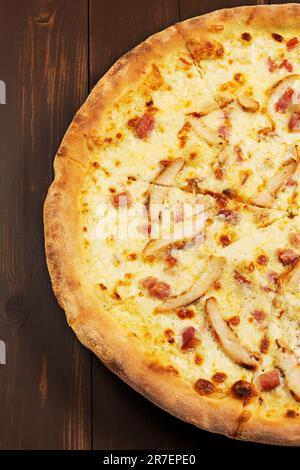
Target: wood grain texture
[[45, 385]]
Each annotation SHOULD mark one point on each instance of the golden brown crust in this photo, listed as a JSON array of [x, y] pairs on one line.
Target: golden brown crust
[[232, 21], [281, 431], [85, 313]]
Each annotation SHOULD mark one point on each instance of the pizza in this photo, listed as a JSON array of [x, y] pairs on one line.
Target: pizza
[[172, 227]]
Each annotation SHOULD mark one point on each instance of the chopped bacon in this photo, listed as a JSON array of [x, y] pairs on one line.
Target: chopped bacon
[[287, 257], [160, 290], [286, 65], [188, 338], [291, 43], [144, 125], [269, 380], [223, 131], [273, 276], [185, 312], [264, 345], [262, 260], [285, 101], [156, 288], [241, 279], [230, 216], [294, 122], [294, 239], [271, 65], [234, 321], [149, 282], [122, 199], [171, 261], [239, 153], [259, 315]]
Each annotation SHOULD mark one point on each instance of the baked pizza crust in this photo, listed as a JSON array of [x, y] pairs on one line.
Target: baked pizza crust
[[92, 324]]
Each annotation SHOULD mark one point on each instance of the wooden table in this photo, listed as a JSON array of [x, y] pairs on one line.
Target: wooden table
[[54, 394]]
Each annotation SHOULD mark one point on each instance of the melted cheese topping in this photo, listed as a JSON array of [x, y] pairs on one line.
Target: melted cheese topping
[[228, 151]]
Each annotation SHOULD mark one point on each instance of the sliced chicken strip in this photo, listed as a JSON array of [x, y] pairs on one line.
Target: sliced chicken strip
[[287, 362], [212, 273], [166, 177], [188, 229], [211, 136], [228, 340], [286, 171], [159, 189]]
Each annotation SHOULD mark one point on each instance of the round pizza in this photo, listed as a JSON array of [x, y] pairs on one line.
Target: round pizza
[[172, 227]]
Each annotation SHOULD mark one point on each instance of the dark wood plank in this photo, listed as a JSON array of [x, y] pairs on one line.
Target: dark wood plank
[[116, 26], [45, 385], [190, 8]]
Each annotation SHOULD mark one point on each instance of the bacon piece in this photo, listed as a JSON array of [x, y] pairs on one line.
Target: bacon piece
[[223, 131], [294, 239], [269, 380], [259, 315], [286, 65], [287, 362], [230, 216], [262, 260], [291, 43], [294, 122], [170, 261], [247, 103], [149, 282], [143, 125], [228, 340], [189, 340], [241, 279], [213, 271], [122, 199], [158, 289], [285, 101], [285, 172], [287, 257], [271, 65]]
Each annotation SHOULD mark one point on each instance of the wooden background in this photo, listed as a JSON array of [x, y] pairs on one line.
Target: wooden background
[[54, 394]]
